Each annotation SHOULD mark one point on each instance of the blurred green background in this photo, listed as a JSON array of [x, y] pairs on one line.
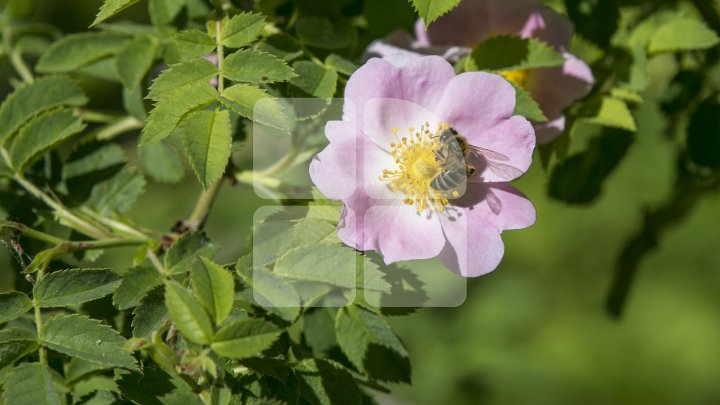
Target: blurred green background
[[535, 331]]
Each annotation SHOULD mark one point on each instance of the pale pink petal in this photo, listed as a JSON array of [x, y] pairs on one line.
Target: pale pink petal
[[547, 131], [396, 231], [548, 26], [509, 17], [473, 228], [382, 115], [465, 25], [476, 101], [334, 169], [473, 246], [514, 141], [557, 88], [420, 80]]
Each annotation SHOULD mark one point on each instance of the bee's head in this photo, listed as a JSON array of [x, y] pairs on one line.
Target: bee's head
[[448, 134]]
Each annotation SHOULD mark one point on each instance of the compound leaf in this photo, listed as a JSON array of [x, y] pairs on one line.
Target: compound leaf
[[245, 338], [188, 314], [74, 286], [87, 339]]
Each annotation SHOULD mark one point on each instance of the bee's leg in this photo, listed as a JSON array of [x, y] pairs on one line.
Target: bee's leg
[[469, 169]]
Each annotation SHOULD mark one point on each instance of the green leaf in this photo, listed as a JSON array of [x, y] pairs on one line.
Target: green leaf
[[118, 193], [324, 382], [182, 78], [74, 286], [193, 44], [242, 29], [10, 352], [32, 99], [30, 384], [682, 34], [110, 8], [12, 305], [340, 64], [74, 51], [149, 316], [214, 287], [527, 107], [188, 314], [162, 12], [253, 103], [507, 53], [430, 10], [135, 285], [269, 291], [256, 67], [78, 368], [580, 178], [135, 59], [609, 112], [41, 134], [133, 103], [245, 338], [161, 162], [17, 335], [357, 330], [87, 339], [324, 33], [325, 263], [207, 139], [145, 388], [181, 397], [184, 254], [281, 45], [313, 80], [173, 107]]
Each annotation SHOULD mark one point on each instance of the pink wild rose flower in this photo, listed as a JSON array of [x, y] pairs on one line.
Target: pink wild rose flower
[[473, 21], [385, 157]]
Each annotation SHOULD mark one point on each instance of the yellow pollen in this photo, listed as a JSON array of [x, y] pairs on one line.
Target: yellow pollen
[[416, 167], [517, 77]]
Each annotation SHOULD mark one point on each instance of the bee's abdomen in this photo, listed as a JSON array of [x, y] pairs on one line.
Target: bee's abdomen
[[448, 179]]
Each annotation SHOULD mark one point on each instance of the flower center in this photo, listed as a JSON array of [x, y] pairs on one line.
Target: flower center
[[416, 166], [517, 77]]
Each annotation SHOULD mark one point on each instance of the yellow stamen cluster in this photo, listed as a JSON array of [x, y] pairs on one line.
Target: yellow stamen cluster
[[416, 167], [517, 77]]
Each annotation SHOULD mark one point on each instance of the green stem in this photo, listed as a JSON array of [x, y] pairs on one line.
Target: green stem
[[70, 218], [32, 233], [118, 127], [220, 54], [20, 67], [202, 207], [96, 116], [281, 165], [157, 263], [39, 325]]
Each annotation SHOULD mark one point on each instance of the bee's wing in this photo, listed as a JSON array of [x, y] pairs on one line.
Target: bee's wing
[[489, 154], [492, 159]]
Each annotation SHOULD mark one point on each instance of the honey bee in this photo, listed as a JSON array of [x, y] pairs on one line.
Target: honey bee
[[454, 155]]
